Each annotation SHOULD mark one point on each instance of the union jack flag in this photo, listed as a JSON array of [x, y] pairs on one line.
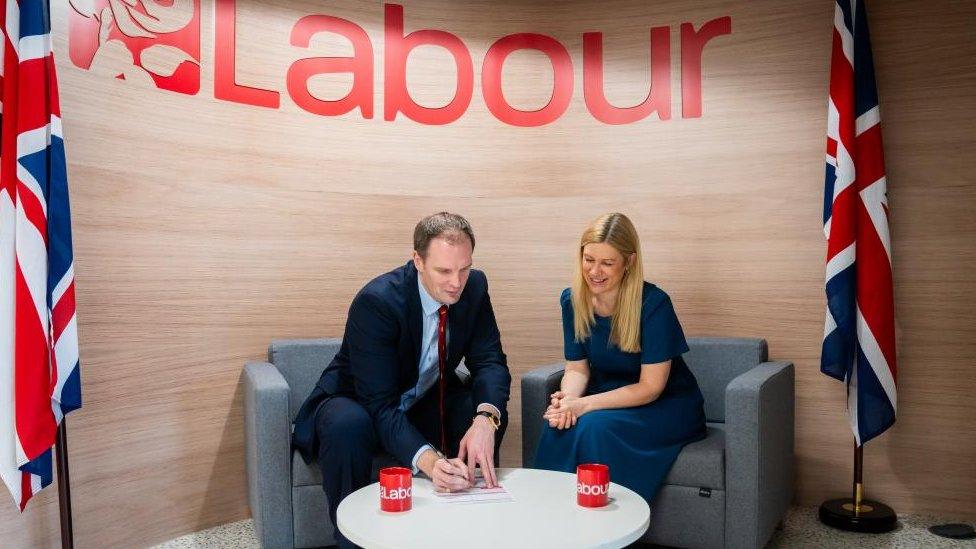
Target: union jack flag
[[39, 374], [859, 336]]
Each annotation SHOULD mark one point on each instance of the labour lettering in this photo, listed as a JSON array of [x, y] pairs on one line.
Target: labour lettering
[[592, 489], [398, 43], [395, 493]]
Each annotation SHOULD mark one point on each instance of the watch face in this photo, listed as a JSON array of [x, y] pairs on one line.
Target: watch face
[[496, 422]]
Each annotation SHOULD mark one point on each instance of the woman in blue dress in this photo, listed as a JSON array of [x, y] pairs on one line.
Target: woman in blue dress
[[627, 398]]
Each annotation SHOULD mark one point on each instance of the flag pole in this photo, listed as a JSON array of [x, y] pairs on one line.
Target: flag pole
[[858, 479], [64, 486], [856, 514]]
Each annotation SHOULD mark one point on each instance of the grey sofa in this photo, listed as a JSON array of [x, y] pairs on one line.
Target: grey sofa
[[732, 488], [288, 504]]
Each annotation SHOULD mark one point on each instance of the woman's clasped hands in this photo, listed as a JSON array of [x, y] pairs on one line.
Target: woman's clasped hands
[[564, 411]]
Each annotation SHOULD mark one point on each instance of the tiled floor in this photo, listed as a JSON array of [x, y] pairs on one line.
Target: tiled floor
[[801, 529]]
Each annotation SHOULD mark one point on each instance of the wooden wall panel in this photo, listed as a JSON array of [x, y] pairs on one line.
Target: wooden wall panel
[[204, 229]]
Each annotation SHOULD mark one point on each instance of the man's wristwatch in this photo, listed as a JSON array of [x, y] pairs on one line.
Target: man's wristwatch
[[495, 422]]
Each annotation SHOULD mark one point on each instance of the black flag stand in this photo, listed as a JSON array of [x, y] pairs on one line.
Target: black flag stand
[[64, 486], [855, 514]]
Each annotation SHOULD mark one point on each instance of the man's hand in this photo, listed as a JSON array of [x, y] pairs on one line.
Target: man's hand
[[478, 447], [451, 474], [446, 474]]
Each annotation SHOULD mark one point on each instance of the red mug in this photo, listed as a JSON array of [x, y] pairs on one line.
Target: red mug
[[396, 489], [592, 484]]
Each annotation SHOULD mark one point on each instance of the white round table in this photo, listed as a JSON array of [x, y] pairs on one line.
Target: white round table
[[543, 514]]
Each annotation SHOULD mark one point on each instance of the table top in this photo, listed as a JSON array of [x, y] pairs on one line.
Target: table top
[[544, 513]]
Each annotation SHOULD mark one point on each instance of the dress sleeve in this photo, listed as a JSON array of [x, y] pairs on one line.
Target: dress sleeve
[[572, 349], [662, 338]]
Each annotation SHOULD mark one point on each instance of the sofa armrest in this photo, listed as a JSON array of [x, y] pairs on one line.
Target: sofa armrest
[[267, 444], [759, 423], [537, 385]]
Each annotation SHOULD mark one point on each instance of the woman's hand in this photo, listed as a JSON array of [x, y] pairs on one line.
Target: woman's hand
[[559, 419], [574, 405], [564, 411]]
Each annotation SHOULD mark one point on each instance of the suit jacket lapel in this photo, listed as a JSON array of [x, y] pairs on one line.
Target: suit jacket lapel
[[455, 327], [415, 312]]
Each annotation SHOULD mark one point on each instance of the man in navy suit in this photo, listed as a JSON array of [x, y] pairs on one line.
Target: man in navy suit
[[393, 383]]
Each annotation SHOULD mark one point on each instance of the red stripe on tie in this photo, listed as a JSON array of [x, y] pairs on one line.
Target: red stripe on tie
[[441, 366]]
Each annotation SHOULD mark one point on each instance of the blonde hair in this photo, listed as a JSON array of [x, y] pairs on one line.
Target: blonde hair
[[616, 230]]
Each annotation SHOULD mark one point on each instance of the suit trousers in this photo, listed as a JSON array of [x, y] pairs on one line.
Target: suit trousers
[[348, 441]]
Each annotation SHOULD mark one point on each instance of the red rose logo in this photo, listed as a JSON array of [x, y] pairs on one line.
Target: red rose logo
[[147, 42]]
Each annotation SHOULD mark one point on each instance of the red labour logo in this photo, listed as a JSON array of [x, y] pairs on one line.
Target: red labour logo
[[592, 489], [157, 43], [148, 42], [394, 493]]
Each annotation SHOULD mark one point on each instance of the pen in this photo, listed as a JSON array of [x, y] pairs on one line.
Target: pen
[[454, 470]]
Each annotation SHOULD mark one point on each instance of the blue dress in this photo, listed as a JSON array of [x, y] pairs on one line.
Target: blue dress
[[639, 444]]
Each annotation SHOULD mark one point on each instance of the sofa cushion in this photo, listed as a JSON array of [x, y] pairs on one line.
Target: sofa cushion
[[701, 464], [309, 475]]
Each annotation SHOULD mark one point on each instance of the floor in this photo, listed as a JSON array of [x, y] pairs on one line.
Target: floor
[[801, 529]]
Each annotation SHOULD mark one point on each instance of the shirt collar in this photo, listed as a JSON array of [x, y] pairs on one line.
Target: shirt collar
[[429, 304]]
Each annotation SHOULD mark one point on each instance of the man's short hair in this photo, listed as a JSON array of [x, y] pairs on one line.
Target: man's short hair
[[449, 226]]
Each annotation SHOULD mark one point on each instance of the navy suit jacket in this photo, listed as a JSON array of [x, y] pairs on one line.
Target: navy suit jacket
[[380, 356]]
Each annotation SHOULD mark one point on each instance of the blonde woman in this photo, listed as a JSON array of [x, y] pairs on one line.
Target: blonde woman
[[627, 399]]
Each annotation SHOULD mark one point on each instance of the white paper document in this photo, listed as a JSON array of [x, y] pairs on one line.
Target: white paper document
[[476, 494]]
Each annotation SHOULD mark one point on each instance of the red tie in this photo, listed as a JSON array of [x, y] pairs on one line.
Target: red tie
[[441, 364]]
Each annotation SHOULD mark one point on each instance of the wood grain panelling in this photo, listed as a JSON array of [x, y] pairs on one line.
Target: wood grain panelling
[[204, 229]]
